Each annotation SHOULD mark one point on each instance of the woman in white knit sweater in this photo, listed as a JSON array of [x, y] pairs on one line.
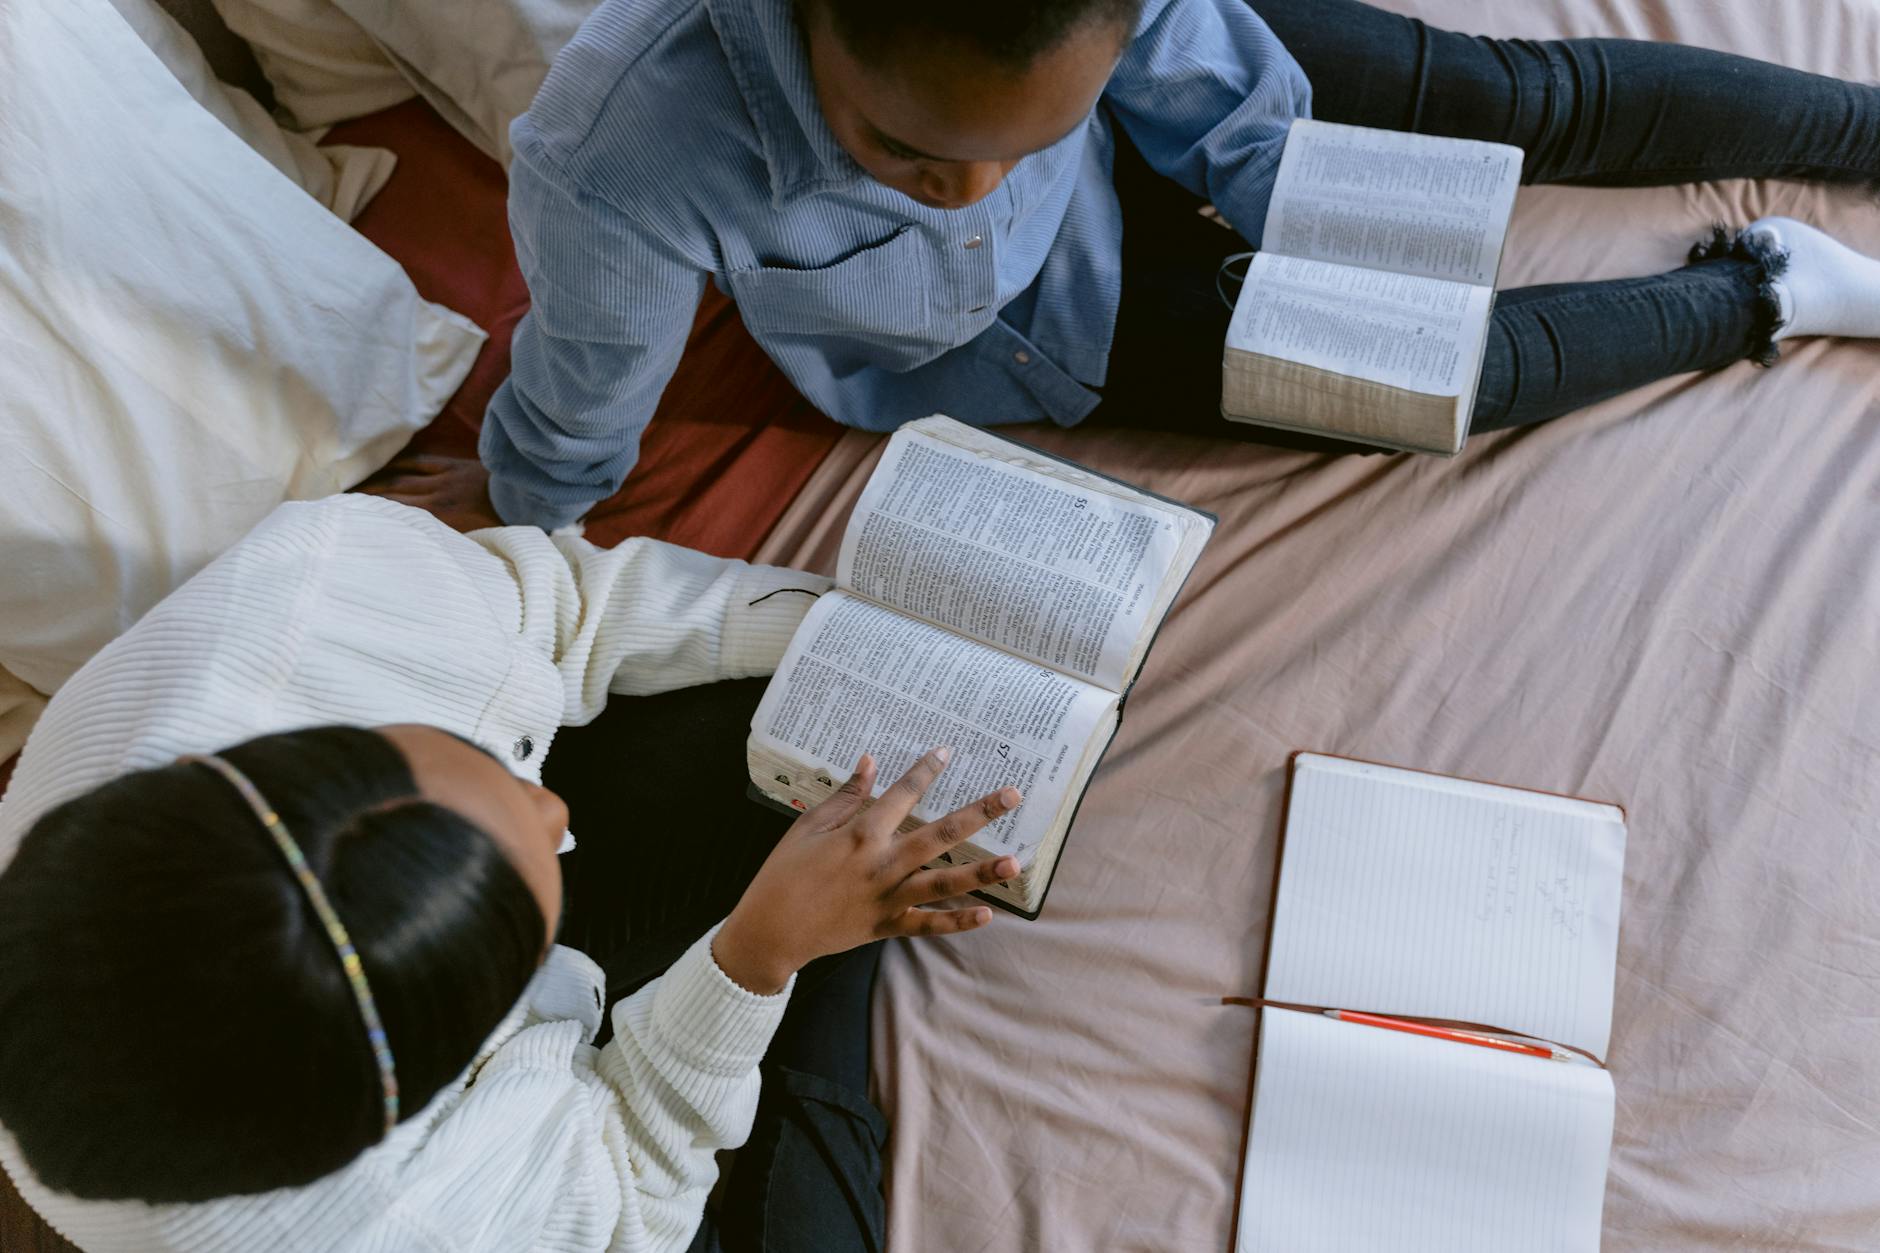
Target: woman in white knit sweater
[[302, 992]]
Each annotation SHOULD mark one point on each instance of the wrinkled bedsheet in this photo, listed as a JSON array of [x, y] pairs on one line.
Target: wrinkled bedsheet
[[1671, 601]]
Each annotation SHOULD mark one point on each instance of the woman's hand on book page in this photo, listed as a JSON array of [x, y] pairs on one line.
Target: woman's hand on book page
[[845, 874]]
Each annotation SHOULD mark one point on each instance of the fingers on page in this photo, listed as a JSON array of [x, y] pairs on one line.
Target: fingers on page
[[918, 922], [861, 784], [940, 885], [836, 808], [899, 800], [963, 823]]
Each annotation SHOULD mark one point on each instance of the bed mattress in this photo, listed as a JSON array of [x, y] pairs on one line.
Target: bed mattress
[[1671, 601]]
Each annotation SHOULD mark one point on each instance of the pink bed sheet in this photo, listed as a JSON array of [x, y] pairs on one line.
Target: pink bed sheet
[[1672, 601]]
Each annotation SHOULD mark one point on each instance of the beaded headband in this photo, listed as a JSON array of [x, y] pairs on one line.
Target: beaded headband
[[335, 930]]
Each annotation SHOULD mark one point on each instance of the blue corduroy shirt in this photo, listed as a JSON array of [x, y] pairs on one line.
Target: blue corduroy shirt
[[677, 141]]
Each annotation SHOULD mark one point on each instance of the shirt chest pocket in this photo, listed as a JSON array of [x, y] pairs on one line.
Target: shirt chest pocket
[[879, 294]]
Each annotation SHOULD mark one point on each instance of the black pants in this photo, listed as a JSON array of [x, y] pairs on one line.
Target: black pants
[[666, 841], [1596, 112]]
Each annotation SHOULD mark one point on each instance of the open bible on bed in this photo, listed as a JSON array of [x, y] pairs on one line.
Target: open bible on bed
[[1365, 314], [1482, 911], [991, 598]]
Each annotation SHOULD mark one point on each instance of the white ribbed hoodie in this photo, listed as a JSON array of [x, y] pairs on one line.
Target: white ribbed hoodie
[[355, 610]]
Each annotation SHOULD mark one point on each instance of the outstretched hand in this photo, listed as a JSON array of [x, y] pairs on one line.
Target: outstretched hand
[[845, 874], [454, 489]]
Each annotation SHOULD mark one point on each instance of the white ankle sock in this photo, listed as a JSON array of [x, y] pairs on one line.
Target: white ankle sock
[[1828, 288]]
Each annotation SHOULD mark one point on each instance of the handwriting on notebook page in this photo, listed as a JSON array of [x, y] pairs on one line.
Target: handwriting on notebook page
[[1502, 871], [1565, 909], [1561, 897]]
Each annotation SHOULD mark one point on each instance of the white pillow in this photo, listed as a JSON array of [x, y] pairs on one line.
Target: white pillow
[[322, 66], [186, 338], [20, 707], [340, 177], [478, 62]]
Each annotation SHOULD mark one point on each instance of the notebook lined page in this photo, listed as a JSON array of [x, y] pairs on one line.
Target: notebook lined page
[[1364, 1138], [1413, 894]]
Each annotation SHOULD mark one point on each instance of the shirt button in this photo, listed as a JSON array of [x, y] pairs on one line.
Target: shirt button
[[1023, 358], [524, 748], [974, 242], [977, 309]]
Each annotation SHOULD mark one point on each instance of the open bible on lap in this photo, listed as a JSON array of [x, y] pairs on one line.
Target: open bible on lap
[[1445, 903], [1365, 313], [990, 598]]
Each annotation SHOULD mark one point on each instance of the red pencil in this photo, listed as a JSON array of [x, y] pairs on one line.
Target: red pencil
[[1444, 1033]]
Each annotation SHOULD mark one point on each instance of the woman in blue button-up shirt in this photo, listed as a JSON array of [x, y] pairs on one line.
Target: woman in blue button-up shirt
[[916, 208]]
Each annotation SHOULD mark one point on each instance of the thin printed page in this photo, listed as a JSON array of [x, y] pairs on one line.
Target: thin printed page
[[1414, 894], [1063, 575], [1420, 334], [860, 678], [1444, 1147], [1384, 200]]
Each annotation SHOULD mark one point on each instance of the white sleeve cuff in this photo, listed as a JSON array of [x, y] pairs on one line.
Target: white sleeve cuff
[[707, 1018], [766, 607]]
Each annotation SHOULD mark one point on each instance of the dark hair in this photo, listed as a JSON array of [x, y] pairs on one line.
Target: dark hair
[[1009, 32], [177, 1026]]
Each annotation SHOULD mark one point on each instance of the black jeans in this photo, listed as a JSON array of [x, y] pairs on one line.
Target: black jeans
[[1596, 112], [666, 841]]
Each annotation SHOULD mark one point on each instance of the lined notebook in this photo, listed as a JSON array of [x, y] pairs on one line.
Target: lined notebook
[[1430, 898]]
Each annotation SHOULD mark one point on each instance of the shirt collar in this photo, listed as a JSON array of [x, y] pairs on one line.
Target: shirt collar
[[765, 50]]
